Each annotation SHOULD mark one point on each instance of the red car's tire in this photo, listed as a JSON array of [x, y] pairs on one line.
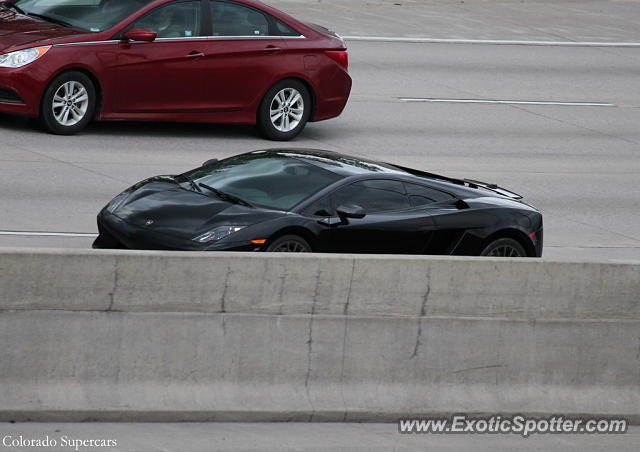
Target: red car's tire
[[284, 110], [68, 103]]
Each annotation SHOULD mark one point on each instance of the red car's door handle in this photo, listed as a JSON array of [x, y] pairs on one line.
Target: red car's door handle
[[195, 55], [272, 49]]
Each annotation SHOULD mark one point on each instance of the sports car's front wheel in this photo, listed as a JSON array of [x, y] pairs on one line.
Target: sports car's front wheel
[[504, 248], [68, 103], [289, 244], [285, 110]]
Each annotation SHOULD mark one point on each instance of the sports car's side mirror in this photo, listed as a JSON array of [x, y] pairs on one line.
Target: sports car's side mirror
[[140, 34], [210, 162], [350, 211]]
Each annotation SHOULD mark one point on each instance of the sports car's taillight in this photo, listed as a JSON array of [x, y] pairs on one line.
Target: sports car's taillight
[[339, 56]]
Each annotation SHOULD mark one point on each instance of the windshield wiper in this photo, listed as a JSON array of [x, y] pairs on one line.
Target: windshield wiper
[[17, 8], [51, 19], [194, 186], [226, 196]]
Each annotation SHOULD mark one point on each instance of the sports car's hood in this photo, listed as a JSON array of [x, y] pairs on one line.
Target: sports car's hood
[[162, 205], [18, 29]]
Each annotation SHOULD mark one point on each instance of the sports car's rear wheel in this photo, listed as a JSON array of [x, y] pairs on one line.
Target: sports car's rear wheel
[[68, 103], [504, 248], [289, 244], [285, 110]]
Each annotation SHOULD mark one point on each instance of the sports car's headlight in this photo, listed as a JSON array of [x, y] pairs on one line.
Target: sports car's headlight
[[21, 58], [217, 233], [117, 202]]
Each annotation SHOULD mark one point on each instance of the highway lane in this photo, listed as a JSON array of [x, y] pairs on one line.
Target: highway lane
[[548, 20], [578, 164]]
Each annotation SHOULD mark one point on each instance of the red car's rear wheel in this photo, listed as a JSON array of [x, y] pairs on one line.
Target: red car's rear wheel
[[285, 110]]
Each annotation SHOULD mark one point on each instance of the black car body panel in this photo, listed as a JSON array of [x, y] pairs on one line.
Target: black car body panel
[[424, 213]]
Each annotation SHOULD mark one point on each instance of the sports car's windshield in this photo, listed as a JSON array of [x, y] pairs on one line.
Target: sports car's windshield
[[273, 182], [88, 15]]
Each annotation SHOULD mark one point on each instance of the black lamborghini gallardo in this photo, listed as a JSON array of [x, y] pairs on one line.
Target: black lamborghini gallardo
[[300, 200]]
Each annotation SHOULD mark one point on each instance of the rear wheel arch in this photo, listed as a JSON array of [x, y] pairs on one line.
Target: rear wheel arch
[[514, 234], [312, 95]]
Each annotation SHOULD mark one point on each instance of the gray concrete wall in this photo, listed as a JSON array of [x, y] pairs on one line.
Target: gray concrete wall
[[189, 336]]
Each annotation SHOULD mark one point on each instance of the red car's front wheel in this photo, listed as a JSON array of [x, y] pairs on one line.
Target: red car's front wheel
[[68, 103]]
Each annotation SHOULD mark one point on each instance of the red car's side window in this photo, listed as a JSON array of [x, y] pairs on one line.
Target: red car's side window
[[176, 20], [234, 19]]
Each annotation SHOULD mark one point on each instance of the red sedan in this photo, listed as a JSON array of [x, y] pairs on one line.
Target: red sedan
[[71, 61]]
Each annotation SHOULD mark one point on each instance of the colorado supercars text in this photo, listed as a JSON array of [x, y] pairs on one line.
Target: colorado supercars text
[[63, 441]]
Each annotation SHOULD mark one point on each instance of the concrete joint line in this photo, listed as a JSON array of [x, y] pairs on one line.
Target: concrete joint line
[[423, 313], [112, 294]]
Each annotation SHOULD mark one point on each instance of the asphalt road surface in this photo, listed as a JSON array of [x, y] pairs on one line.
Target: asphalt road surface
[[548, 20], [569, 144]]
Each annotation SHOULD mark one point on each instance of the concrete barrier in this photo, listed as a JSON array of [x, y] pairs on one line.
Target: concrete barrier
[[152, 336]]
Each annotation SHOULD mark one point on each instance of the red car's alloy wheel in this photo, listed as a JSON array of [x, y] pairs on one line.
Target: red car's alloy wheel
[[68, 103], [285, 110]]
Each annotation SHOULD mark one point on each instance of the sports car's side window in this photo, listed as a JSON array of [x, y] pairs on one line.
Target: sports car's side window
[[175, 20], [421, 195], [374, 195], [320, 208]]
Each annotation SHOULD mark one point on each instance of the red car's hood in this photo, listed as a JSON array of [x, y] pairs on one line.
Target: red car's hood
[[17, 29]]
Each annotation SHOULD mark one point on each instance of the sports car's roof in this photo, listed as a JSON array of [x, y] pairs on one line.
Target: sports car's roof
[[344, 165]]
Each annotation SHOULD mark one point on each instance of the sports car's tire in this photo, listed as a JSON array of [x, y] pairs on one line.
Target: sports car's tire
[[289, 244], [68, 103], [284, 111], [504, 248]]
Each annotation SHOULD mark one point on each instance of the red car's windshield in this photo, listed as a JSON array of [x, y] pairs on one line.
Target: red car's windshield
[[88, 15]]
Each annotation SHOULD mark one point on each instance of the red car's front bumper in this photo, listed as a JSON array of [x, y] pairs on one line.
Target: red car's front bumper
[[21, 90]]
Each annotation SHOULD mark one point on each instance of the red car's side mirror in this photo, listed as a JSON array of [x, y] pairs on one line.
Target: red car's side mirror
[[141, 34]]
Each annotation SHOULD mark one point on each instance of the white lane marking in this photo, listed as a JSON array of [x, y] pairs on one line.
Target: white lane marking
[[48, 234], [497, 101], [504, 42]]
